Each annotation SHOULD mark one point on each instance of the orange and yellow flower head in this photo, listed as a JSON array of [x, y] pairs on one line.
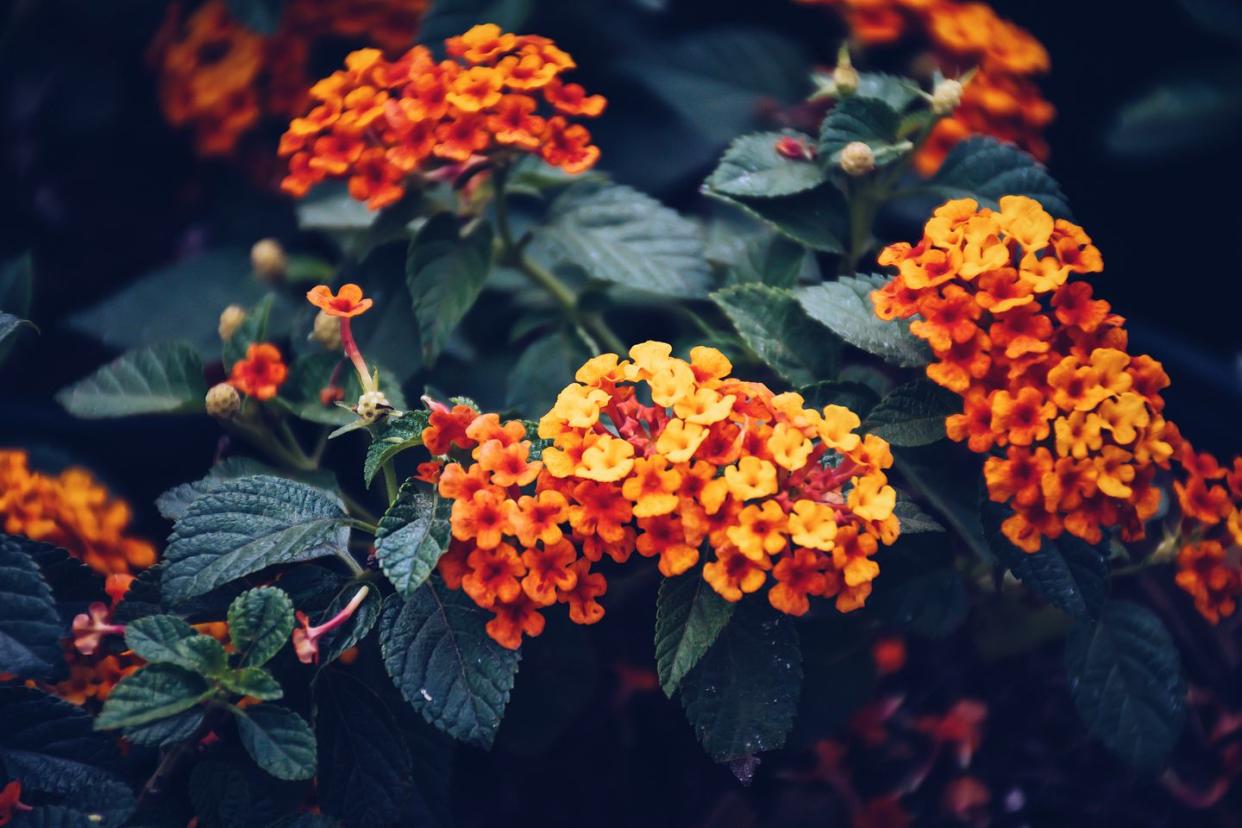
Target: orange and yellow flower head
[[377, 122], [754, 486]]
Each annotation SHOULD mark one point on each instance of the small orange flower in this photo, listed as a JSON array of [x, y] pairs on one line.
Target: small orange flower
[[583, 608], [733, 573], [797, 576], [513, 619], [549, 570], [482, 519], [493, 575], [348, 302], [261, 373]]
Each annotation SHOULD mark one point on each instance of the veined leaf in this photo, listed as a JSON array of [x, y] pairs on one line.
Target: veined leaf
[[395, 436], [985, 169], [336, 642], [174, 503], [844, 307], [30, 627], [260, 621], [817, 218], [445, 664], [255, 682], [249, 524], [168, 731], [541, 371], [278, 740], [445, 273], [776, 260], [858, 118], [913, 414], [412, 536], [160, 379], [689, 618], [751, 167], [952, 484], [155, 692], [777, 329], [166, 639]]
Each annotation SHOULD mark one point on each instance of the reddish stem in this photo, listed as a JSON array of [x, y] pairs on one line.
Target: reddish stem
[[355, 355]]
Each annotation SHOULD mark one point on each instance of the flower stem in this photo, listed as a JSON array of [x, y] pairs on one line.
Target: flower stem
[[355, 355]]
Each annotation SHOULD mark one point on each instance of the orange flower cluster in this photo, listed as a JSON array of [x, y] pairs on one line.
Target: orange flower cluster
[[770, 487], [221, 79], [70, 510], [261, 373], [1000, 100], [1209, 565], [1041, 366], [378, 121]]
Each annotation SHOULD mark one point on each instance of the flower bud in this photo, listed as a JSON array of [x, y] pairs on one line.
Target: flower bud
[[857, 159], [223, 401], [327, 331], [372, 405], [230, 320], [946, 96], [845, 78], [267, 258]]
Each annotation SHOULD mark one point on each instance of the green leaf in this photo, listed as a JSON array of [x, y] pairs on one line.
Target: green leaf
[[913, 519], [913, 414], [10, 324], [51, 746], [445, 664], [311, 373], [252, 329], [742, 696], [1126, 679], [985, 169], [255, 682], [16, 285], [751, 166], [869, 120], [249, 524], [448, 18], [844, 307], [166, 639], [689, 618], [542, 370], [855, 396], [617, 234], [395, 436], [777, 329], [949, 479], [30, 627], [221, 794], [838, 675], [895, 91], [1068, 573], [412, 536], [160, 379], [1180, 115], [278, 740], [920, 591], [259, 16], [174, 503], [445, 273], [260, 621], [167, 731], [775, 260], [155, 692], [817, 218]]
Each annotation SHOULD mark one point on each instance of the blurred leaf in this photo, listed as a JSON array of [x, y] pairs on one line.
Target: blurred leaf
[[778, 330], [412, 536], [855, 396], [255, 682], [259, 16], [559, 674], [155, 692], [985, 169], [544, 368], [1066, 572], [278, 740], [10, 324], [260, 621], [166, 639], [1219, 17], [448, 18], [844, 307], [817, 218], [913, 414], [617, 234], [189, 295], [689, 618], [160, 379], [913, 519], [16, 285], [30, 628], [777, 261], [751, 166], [742, 696], [1126, 679], [895, 91], [445, 273], [336, 642], [869, 120], [951, 480], [396, 435], [919, 590], [247, 525], [444, 663], [1181, 116]]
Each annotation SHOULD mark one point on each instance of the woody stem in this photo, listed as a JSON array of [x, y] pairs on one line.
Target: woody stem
[[355, 355], [511, 253]]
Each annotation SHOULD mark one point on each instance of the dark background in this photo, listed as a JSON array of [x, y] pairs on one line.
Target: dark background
[[101, 190]]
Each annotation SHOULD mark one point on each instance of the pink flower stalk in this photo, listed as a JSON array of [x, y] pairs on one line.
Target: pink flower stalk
[[306, 638]]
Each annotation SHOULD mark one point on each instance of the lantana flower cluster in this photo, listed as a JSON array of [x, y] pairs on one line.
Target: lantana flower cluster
[[713, 465], [222, 79], [1072, 419], [378, 121], [1001, 99], [1209, 563]]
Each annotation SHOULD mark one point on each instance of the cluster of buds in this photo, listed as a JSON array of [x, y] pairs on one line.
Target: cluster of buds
[[766, 487]]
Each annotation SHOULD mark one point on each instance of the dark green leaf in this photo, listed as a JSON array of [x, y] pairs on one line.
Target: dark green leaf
[[617, 234], [689, 618], [445, 664], [252, 329], [445, 273], [913, 414], [559, 674], [857, 118], [897, 92], [246, 525], [222, 796], [950, 480], [777, 329], [838, 675], [751, 166], [1068, 573], [448, 18], [161, 379], [412, 536], [278, 740], [155, 692], [166, 639], [1126, 679], [167, 731], [919, 590], [16, 285], [913, 519], [542, 371], [742, 696], [260, 621], [1217, 17], [855, 396], [10, 324], [844, 307], [817, 218], [985, 169], [395, 436], [255, 682], [775, 260], [30, 628]]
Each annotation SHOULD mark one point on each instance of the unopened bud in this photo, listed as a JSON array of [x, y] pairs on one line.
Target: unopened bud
[[845, 77], [371, 406], [223, 401], [946, 96], [230, 320], [267, 258], [857, 159], [327, 331]]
